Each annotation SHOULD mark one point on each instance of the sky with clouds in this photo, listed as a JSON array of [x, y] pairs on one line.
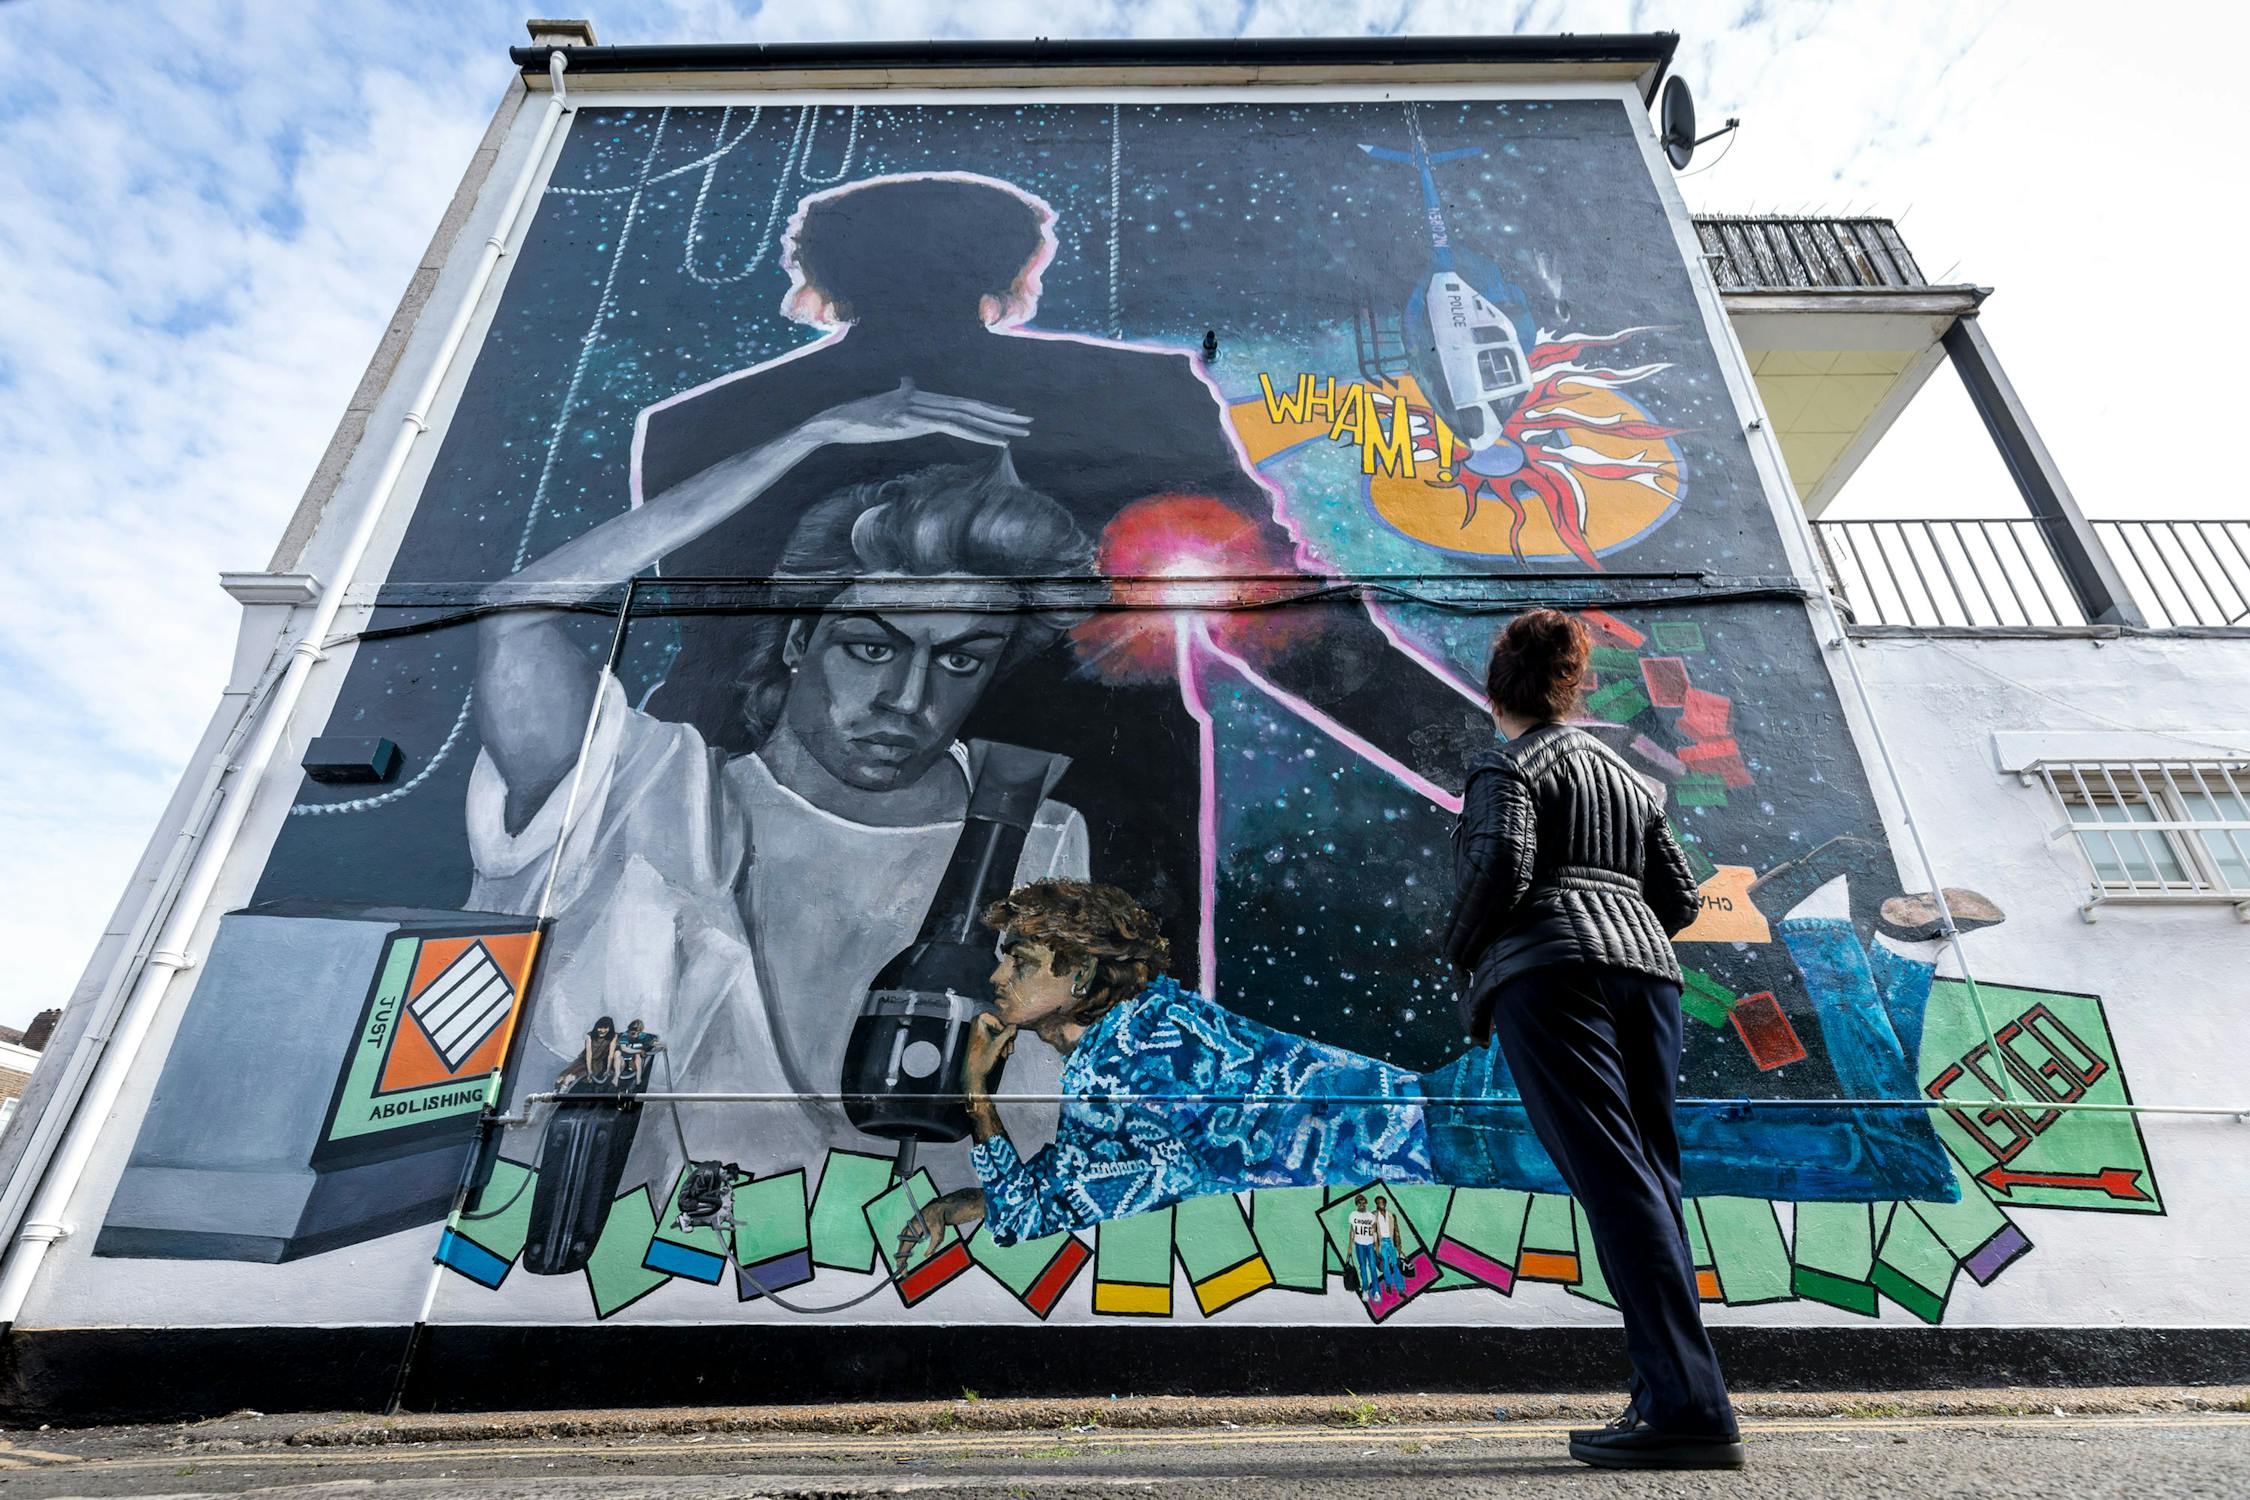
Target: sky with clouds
[[212, 208]]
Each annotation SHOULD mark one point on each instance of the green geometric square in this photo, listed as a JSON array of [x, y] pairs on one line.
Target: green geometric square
[[1746, 1249], [1425, 1208], [1679, 635], [1912, 1266], [614, 1272], [1017, 1267], [770, 1219], [848, 1183], [1135, 1251], [1548, 1227], [888, 1213], [1617, 702], [500, 1218], [1699, 865], [2080, 1159], [1835, 1255], [1286, 1222], [1489, 1221], [1211, 1234]]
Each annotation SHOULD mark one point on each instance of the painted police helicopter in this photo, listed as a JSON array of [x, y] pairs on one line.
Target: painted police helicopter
[[1503, 397], [1463, 348]]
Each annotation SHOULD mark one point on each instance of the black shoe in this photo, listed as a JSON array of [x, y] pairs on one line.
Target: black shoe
[[1641, 1446], [1915, 918], [1629, 1417]]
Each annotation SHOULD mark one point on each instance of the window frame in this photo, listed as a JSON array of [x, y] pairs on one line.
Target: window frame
[[2079, 787]]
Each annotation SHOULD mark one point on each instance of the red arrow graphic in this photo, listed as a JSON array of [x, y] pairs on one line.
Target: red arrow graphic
[[2118, 1182]]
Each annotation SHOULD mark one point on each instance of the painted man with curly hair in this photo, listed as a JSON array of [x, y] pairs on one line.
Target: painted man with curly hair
[[1154, 1081]]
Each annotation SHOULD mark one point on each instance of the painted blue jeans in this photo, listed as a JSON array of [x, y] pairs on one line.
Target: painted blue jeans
[[1871, 1009], [1363, 1257], [1391, 1275]]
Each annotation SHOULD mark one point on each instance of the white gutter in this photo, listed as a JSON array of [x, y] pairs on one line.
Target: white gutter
[[143, 987]]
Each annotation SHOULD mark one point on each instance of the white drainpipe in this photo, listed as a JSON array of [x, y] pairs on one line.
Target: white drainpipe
[[144, 988]]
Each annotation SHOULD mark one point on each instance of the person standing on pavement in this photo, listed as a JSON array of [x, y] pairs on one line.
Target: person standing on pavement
[[1568, 888]]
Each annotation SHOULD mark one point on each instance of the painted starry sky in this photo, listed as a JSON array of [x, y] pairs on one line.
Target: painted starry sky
[[654, 265]]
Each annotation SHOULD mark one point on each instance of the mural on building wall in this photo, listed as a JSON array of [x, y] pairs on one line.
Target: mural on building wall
[[1060, 533]]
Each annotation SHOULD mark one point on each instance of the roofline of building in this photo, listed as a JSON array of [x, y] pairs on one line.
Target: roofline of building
[[1647, 54]]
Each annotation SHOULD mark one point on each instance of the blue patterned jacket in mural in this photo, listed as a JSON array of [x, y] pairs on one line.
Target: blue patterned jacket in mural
[[1141, 1130]]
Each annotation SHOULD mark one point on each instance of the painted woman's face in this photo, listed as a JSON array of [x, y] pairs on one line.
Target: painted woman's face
[[877, 697], [1026, 989]]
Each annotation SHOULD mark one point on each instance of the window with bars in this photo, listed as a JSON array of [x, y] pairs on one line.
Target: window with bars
[[2158, 830]]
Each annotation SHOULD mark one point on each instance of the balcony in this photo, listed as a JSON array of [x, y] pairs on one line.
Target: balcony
[[1749, 253], [2004, 573], [1841, 331]]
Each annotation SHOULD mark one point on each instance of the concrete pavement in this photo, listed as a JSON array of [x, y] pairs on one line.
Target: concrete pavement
[[1873, 1447]]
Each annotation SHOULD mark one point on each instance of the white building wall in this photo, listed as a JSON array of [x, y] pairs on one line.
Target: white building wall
[[2174, 980]]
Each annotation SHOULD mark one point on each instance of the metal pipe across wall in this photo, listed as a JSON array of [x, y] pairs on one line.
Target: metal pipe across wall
[[2238, 1112], [144, 987]]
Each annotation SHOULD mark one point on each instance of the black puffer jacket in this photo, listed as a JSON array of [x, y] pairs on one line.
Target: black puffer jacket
[[1561, 856]]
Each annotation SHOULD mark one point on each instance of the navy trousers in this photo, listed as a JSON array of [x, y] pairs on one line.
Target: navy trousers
[[1596, 1055]]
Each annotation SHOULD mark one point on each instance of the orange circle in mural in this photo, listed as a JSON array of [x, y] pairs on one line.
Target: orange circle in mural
[[1630, 483]]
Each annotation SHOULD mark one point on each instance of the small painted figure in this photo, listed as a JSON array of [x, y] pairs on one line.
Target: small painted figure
[[1386, 1248], [636, 1049], [596, 1063], [1363, 1231]]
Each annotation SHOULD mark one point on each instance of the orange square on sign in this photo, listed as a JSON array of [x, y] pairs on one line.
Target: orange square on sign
[[459, 1007]]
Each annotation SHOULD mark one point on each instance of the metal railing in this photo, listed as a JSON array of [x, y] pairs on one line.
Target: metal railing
[[2183, 572], [2002, 573], [1751, 252]]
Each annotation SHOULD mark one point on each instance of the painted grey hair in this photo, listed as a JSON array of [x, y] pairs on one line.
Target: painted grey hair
[[946, 521]]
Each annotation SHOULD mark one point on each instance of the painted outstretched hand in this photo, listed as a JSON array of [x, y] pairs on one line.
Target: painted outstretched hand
[[928, 1226]]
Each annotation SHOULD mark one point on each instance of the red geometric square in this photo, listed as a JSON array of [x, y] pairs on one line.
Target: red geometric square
[[1707, 753], [1667, 680], [1705, 715], [1766, 1031], [1611, 626]]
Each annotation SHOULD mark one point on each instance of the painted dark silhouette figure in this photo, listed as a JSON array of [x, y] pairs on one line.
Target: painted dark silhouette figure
[[927, 279]]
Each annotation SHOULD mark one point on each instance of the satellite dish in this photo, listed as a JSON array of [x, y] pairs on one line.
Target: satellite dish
[[1675, 118]]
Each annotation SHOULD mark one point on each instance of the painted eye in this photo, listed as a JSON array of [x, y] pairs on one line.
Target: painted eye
[[960, 663], [874, 653]]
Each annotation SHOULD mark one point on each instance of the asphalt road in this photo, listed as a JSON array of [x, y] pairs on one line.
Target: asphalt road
[[1927, 1458]]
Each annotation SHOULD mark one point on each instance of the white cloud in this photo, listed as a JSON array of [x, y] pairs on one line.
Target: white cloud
[[207, 229]]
